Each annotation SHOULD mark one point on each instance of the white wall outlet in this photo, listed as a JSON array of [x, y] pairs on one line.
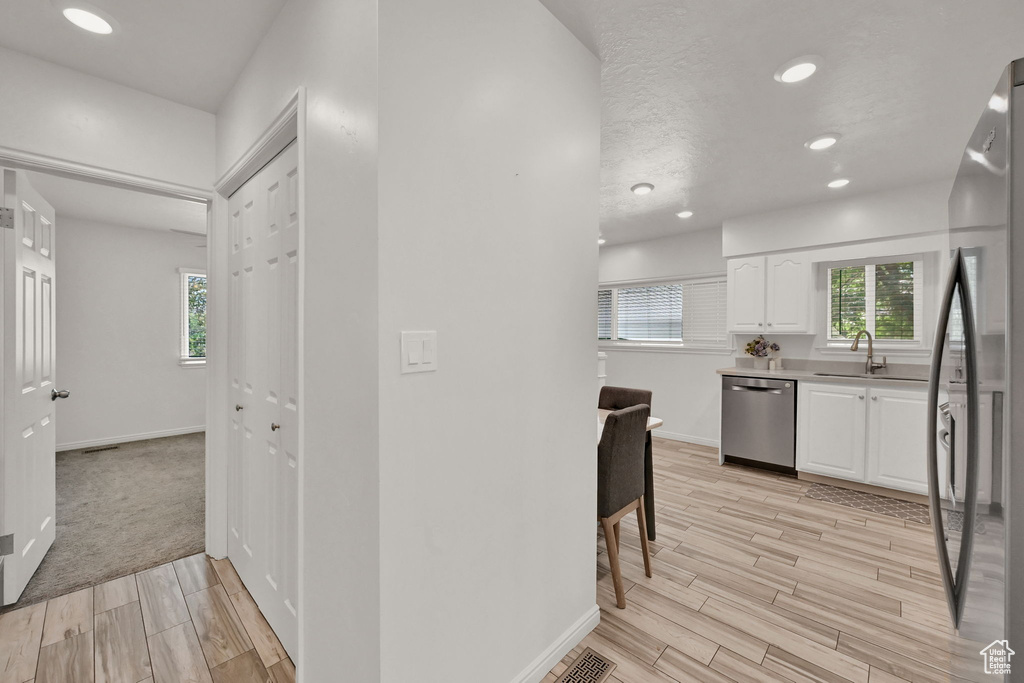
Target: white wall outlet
[[419, 351]]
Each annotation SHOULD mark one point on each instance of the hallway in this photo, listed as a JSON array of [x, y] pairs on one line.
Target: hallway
[[188, 620]]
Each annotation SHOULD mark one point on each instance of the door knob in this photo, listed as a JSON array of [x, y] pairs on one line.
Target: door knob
[[63, 393], [238, 407], [274, 426]]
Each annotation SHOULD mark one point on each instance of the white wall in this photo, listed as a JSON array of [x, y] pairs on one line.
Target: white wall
[[686, 388], [329, 47], [489, 119], [903, 221], [489, 177], [118, 335], [688, 254], [903, 211], [58, 112]]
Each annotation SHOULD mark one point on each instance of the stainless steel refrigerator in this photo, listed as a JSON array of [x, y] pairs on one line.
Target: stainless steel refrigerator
[[976, 391]]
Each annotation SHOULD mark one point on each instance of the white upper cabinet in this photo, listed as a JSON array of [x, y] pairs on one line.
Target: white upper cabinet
[[746, 294], [770, 294], [789, 287]]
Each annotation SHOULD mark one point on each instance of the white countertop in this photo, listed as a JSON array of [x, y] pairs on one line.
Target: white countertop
[[879, 380]]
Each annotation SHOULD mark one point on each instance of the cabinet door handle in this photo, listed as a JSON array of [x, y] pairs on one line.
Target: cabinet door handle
[[874, 398], [760, 324], [769, 324], [274, 426], [861, 397]]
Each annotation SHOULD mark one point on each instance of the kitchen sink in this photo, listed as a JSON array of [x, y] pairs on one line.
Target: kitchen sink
[[864, 375]]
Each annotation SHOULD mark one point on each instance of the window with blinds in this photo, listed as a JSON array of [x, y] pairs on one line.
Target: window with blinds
[[886, 299], [704, 313], [686, 313], [956, 316], [652, 313], [604, 314]]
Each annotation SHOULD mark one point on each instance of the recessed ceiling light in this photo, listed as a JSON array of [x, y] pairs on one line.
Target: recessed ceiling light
[[798, 69], [87, 20], [600, 241], [642, 188], [822, 141], [685, 214], [839, 182]]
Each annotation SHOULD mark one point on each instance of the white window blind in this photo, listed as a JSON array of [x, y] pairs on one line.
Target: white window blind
[[688, 313], [704, 305], [653, 313], [956, 315], [886, 299], [604, 314]]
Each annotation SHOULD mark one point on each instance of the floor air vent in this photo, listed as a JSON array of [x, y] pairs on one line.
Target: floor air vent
[[101, 448], [589, 667]]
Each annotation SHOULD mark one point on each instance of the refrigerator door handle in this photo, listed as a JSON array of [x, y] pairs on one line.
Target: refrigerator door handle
[[955, 586]]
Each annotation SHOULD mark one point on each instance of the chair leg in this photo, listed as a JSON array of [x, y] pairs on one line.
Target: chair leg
[[613, 562], [618, 546], [642, 524]]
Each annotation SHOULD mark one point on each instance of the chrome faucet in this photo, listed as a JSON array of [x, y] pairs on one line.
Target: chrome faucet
[[871, 365]]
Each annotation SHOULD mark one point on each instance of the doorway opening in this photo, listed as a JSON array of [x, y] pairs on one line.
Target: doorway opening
[[127, 460]]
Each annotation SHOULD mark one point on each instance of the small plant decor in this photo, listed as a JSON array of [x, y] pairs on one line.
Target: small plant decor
[[759, 347]]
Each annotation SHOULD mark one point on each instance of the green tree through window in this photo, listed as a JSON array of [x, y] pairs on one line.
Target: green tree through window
[[848, 301], [879, 298], [196, 289]]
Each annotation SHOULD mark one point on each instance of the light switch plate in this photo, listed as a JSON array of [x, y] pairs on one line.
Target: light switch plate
[[419, 351]]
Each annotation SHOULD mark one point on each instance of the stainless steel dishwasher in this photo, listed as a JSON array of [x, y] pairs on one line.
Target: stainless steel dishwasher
[[759, 422]]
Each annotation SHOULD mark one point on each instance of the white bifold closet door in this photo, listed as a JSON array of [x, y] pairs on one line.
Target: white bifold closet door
[[263, 366]]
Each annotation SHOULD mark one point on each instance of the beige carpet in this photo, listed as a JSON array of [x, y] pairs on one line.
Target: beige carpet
[[121, 511]]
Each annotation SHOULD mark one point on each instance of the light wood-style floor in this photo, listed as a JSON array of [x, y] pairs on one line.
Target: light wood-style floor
[[755, 582], [191, 620]]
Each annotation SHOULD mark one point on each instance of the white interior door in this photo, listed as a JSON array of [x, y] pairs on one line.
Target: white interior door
[[28, 509], [263, 343]]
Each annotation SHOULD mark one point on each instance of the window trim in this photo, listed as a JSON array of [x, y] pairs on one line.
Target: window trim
[[922, 272], [184, 360], [614, 344]]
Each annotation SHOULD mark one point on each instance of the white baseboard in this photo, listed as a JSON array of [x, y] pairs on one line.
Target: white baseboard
[[560, 648], [699, 440], [111, 440]]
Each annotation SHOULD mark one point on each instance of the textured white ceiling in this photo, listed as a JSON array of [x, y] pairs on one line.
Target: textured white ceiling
[[690, 103], [114, 206], [187, 51]]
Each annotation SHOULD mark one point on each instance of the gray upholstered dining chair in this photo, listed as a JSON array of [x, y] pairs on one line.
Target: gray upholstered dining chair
[[620, 484], [617, 398]]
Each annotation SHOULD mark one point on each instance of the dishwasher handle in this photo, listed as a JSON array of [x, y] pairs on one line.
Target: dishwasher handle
[[762, 385], [760, 390]]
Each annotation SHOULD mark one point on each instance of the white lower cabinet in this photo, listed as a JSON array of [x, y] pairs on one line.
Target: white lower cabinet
[[897, 453], [830, 430], [871, 435]]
